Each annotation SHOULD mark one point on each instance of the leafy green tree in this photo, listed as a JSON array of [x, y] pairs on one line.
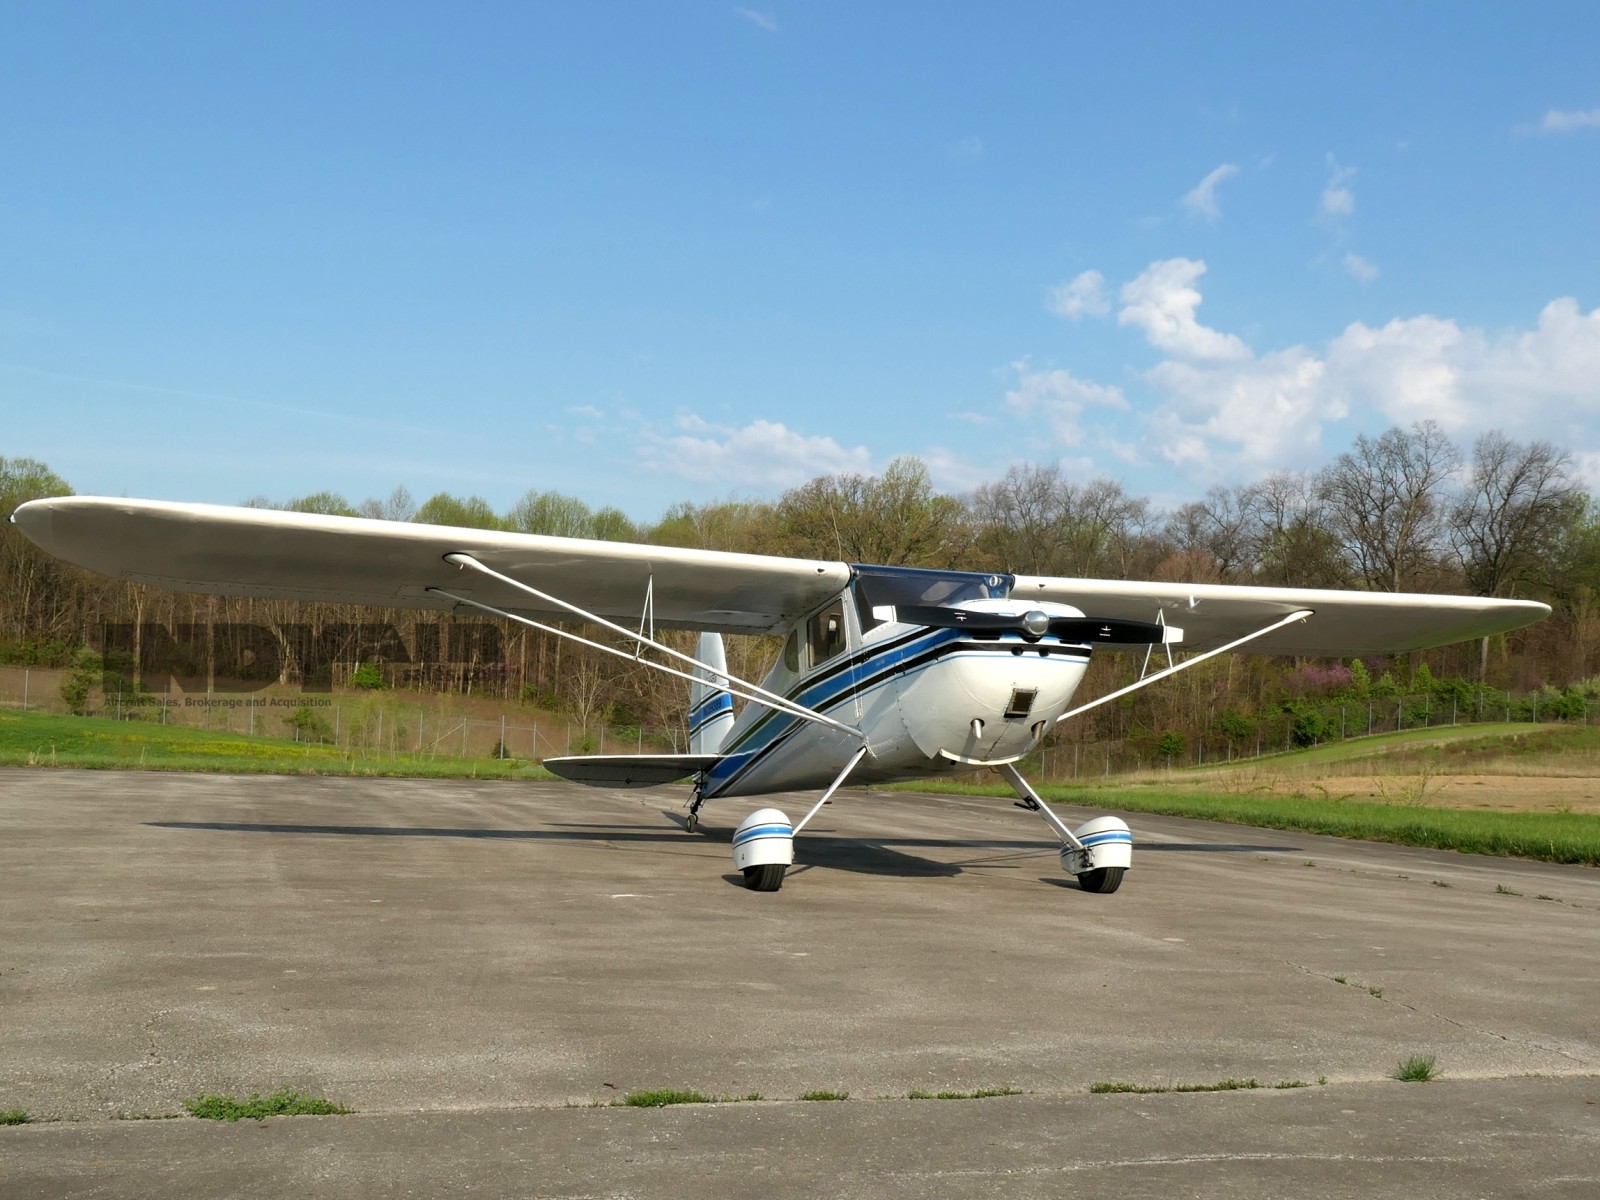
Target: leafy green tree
[[330, 504], [472, 513], [1235, 726], [81, 681], [552, 514], [1360, 681], [368, 677]]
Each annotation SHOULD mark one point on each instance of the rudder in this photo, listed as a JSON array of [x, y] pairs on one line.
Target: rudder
[[710, 704]]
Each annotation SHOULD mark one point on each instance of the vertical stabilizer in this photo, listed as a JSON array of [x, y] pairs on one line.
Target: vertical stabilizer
[[710, 705]]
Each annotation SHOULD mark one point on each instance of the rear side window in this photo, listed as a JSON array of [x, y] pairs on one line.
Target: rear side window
[[825, 632]]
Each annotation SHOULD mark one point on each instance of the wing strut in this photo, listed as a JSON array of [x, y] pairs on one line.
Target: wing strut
[[739, 687], [1300, 614]]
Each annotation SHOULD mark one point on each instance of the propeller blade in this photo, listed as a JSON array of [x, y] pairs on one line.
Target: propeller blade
[[937, 617], [1126, 633], [1036, 623]]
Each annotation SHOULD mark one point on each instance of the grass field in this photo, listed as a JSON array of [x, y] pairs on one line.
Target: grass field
[[1526, 791], [49, 740]]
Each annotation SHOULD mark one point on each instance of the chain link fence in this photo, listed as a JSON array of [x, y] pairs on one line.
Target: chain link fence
[[398, 722]]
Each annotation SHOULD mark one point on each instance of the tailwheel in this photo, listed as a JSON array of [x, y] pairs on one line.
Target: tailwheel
[[768, 877], [1104, 880]]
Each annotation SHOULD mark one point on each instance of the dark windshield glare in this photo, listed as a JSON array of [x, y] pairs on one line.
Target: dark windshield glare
[[893, 587]]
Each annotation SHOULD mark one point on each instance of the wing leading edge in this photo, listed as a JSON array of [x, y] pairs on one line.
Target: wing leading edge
[[1342, 623], [350, 560]]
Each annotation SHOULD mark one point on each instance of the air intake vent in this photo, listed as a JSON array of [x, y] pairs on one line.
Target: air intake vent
[[1022, 702]]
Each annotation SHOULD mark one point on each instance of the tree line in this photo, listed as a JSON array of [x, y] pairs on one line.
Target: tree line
[[1407, 510]]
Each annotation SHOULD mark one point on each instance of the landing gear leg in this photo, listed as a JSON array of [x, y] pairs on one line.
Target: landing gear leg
[[1097, 852], [693, 821]]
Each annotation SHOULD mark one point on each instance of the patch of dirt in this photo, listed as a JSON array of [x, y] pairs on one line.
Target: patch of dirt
[[1503, 793]]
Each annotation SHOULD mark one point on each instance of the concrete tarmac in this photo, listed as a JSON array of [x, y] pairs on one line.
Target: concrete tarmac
[[470, 965]]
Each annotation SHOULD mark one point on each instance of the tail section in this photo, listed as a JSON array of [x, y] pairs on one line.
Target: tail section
[[710, 705]]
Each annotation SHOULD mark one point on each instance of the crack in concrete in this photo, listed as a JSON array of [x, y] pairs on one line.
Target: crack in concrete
[[1437, 1016]]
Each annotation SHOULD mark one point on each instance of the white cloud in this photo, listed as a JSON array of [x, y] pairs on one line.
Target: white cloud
[[1084, 296], [763, 454], [762, 20], [1258, 413], [951, 473], [1202, 199], [1337, 198], [1162, 302], [1559, 121], [1360, 268], [1240, 418], [968, 147], [1586, 466], [1544, 381], [1060, 398], [585, 410]]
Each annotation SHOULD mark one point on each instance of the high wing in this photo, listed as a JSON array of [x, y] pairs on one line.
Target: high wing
[[1341, 623], [350, 560]]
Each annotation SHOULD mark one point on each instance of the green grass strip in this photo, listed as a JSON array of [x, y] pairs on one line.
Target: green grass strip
[[285, 1102], [661, 1097], [99, 743]]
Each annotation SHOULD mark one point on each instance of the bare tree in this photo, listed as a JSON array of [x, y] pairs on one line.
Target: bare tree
[[1386, 502], [398, 507], [1218, 531], [1508, 523], [1038, 522], [895, 518], [1292, 544]]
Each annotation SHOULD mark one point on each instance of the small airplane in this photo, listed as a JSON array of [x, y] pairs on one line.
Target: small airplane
[[886, 673]]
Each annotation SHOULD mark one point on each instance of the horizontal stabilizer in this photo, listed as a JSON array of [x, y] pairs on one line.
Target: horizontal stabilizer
[[630, 770]]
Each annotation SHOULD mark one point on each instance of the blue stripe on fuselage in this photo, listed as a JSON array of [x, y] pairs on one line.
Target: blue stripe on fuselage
[[865, 672]]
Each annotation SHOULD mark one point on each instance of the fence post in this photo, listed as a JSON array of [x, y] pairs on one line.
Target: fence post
[[463, 737], [24, 689], [502, 735]]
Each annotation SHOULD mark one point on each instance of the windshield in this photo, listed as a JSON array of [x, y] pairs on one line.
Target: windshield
[[878, 587]]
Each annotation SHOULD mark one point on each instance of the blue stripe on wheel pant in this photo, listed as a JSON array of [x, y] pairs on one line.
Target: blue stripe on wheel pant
[[759, 831]]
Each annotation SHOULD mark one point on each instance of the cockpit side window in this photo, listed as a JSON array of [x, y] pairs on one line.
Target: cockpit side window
[[791, 653], [825, 632]]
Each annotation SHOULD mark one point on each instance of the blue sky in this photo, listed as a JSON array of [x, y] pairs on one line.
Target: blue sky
[[643, 253]]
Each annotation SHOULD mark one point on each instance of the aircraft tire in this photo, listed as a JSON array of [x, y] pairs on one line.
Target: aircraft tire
[[1104, 880], [768, 877]]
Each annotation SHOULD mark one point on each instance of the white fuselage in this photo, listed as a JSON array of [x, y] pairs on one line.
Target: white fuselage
[[928, 702]]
